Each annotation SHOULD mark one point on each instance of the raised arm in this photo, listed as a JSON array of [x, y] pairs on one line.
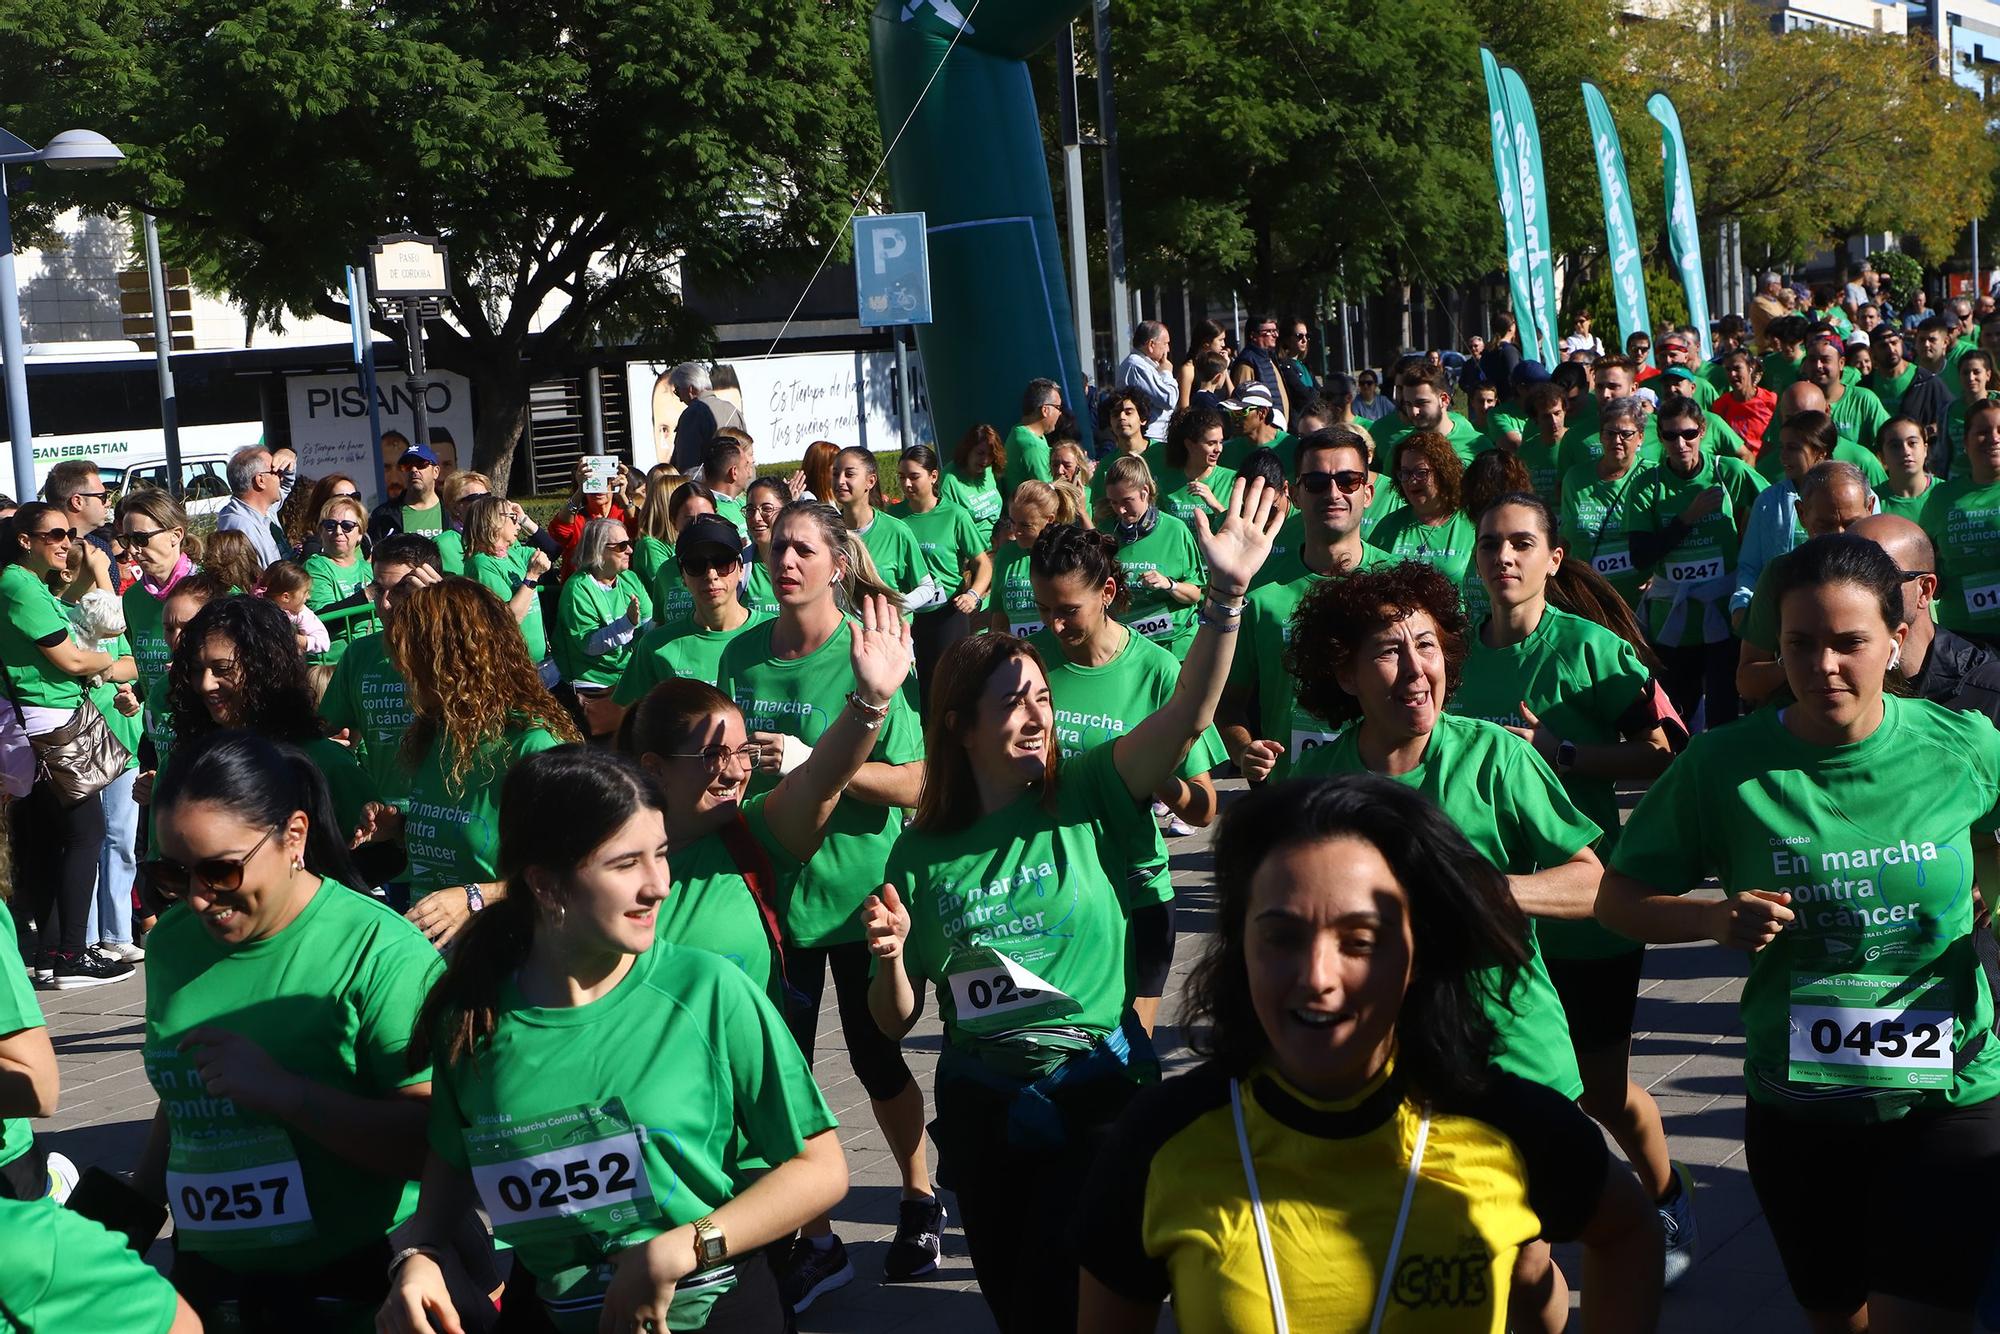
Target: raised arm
[[1148, 755]]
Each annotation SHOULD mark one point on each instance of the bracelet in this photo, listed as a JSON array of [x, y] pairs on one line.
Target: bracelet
[[872, 715], [397, 1260], [1228, 604], [1228, 625], [531, 583]]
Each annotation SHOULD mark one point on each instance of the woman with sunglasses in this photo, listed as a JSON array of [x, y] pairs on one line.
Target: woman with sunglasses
[[1193, 446], [1103, 679], [280, 999], [788, 677], [1000, 894], [155, 527], [763, 500], [1432, 525], [649, 1087], [312, 504], [953, 554], [1345, 1157], [1597, 497], [239, 666], [510, 569], [1162, 560], [709, 558], [673, 605], [48, 677], [602, 612], [341, 575], [1035, 506]]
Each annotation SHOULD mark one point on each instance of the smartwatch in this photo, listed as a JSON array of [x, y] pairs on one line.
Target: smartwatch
[[1565, 757]]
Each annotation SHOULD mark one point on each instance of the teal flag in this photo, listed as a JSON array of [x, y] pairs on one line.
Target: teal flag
[[1621, 234], [1507, 179], [1534, 206], [1683, 238]]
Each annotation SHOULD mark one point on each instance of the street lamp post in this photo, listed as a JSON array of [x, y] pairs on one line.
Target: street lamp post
[[72, 150]]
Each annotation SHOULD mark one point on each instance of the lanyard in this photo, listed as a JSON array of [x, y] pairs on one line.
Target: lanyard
[[1268, 1254], [1616, 504]]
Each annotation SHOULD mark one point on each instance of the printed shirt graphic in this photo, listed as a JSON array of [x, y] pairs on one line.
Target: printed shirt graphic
[[667, 652], [452, 830], [1687, 601], [1592, 520], [332, 997], [367, 698], [1880, 872], [1964, 520], [979, 497], [801, 697], [1447, 545], [1016, 591]]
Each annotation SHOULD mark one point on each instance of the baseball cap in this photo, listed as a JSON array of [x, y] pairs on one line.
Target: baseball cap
[[1530, 373], [1678, 373], [421, 453], [1884, 330], [709, 532], [1257, 394]]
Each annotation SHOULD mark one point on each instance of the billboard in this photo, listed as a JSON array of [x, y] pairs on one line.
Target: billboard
[[788, 402], [330, 425]]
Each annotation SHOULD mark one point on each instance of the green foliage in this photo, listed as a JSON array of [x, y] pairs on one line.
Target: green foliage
[[1901, 275], [1666, 300]]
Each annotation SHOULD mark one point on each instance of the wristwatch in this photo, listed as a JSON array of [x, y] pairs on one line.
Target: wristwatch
[[474, 900], [1565, 756], [710, 1249]]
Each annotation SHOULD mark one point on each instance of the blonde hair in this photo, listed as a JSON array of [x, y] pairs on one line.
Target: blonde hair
[[858, 575], [338, 503], [1131, 470], [452, 489], [653, 519], [1061, 501]]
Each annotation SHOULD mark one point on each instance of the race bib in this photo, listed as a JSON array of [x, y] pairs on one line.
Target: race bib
[[1872, 1032], [1616, 562], [1023, 629], [580, 1170], [1157, 626], [1692, 571], [1305, 739], [1983, 600], [991, 992], [240, 1191]]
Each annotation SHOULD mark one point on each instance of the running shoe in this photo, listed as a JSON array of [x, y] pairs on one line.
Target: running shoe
[[88, 969], [1677, 1221], [63, 1177], [919, 1240], [811, 1273], [44, 970], [1178, 828], [123, 951]]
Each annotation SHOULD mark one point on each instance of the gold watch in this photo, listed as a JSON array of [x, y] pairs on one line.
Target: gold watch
[[710, 1249]]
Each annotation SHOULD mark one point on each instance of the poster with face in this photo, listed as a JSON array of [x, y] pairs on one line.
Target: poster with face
[[330, 427], [788, 402]]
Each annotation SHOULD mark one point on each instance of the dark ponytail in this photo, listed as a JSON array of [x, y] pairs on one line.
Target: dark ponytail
[[557, 807], [261, 782], [1068, 548]]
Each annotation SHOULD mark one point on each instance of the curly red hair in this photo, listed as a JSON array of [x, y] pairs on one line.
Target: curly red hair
[[1335, 617]]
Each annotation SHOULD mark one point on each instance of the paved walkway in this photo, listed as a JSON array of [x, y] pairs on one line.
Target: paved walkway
[[1688, 1052]]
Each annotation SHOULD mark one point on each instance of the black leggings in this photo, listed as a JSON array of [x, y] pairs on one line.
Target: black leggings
[[1697, 672], [57, 849], [878, 1058], [931, 634]]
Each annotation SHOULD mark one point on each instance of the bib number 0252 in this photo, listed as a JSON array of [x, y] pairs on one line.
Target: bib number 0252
[[570, 1180]]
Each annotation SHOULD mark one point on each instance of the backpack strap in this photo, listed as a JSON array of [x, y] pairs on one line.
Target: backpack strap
[[753, 863]]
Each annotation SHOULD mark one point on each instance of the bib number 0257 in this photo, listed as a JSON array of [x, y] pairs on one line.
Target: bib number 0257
[[269, 1195]]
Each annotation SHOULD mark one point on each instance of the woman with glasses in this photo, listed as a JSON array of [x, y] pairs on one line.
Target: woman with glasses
[[341, 575], [763, 499], [1161, 559], [629, 1113], [280, 1000], [1597, 500], [789, 677], [602, 612], [1370, 403], [312, 503], [155, 527], [510, 569], [48, 676], [710, 561], [1193, 447], [954, 555], [1432, 526]]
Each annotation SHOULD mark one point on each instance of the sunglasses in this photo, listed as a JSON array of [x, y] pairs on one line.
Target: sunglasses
[[145, 539], [171, 880], [1347, 479], [1681, 436], [56, 535], [1415, 474], [710, 564], [338, 525], [89, 495], [626, 545]]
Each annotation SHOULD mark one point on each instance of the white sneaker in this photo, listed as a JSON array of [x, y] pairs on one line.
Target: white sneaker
[[63, 1177], [121, 950]]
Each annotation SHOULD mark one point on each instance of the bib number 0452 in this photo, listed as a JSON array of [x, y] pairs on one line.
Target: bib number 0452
[[1871, 1045]]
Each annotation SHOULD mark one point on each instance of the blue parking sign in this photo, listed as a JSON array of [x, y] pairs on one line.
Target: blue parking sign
[[892, 269]]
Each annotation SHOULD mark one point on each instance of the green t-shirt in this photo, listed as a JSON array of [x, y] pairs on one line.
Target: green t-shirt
[[1912, 508], [898, 558], [1581, 680], [731, 508], [1964, 521], [350, 786], [146, 631], [1171, 549], [1543, 461], [1780, 371], [1688, 599], [1390, 431], [61, 1273], [1016, 590], [1183, 503], [333, 582], [587, 606], [451, 550], [667, 652], [1027, 458], [19, 1011], [1259, 663], [368, 699], [948, 541], [1448, 545], [978, 496], [1857, 419], [452, 830], [333, 998], [661, 1100], [801, 697], [1235, 450], [427, 520], [1880, 872], [711, 907], [673, 602], [1890, 392], [1954, 431], [1592, 520], [758, 594], [128, 728], [650, 556], [503, 577], [1015, 918], [30, 614], [1508, 804], [1291, 540]]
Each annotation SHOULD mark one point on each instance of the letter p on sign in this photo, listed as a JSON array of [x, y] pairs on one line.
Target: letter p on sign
[[892, 270], [888, 245]]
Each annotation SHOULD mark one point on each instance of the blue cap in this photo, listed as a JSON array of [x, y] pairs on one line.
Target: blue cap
[[1529, 373], [421, 453]]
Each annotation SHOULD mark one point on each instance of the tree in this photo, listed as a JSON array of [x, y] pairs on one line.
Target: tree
[[569, 152]]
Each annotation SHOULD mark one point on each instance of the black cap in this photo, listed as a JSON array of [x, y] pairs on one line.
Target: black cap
[[709, 532]]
